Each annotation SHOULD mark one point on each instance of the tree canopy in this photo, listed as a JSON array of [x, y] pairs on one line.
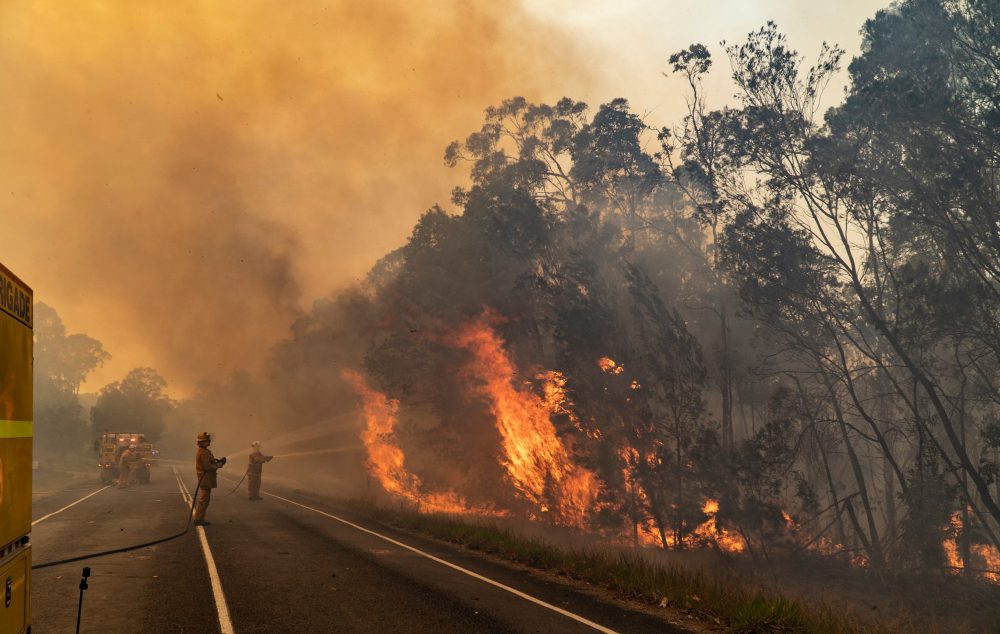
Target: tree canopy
[[137, 403]]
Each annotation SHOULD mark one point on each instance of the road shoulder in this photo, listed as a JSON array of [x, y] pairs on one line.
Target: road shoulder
[[606, 605]]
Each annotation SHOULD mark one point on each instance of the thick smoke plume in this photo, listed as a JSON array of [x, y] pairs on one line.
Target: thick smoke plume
[[182, 178]]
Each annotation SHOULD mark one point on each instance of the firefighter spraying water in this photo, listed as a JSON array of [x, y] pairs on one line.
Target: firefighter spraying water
[[206, 466], [257, 458], [255, 467]]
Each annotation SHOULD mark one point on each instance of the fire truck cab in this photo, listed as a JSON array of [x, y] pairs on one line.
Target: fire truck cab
[[113, 444], [16, 423]]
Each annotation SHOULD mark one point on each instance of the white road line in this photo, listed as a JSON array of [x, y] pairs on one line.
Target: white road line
[[527, 597], [45, 517], [225, 624]]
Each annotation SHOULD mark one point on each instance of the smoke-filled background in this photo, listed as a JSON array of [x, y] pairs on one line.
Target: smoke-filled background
[[182, 179]]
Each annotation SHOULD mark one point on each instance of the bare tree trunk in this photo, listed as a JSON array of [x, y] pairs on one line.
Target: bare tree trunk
[[874, 547], [858, 531], [879, 436], [889, 481], [741, 400], [930, 389], [891, 473], [633, 512], [841, 533], [662, 531], [964, 547], [678, 533], [726, 377], [956, 471]]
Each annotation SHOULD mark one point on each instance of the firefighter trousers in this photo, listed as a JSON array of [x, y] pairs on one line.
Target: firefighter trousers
[[253, 485], [204, 497], [123, 477]]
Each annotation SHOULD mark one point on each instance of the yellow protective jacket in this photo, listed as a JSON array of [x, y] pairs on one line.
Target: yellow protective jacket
[[205, 465]]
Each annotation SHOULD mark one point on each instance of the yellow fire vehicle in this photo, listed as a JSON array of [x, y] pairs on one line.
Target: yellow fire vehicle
[[16, 341], [111, 446]]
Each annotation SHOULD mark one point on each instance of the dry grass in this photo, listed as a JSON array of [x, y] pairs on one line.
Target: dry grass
[[632, 575]]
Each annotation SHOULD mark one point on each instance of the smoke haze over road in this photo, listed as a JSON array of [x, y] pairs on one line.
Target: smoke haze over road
[[181, 179]]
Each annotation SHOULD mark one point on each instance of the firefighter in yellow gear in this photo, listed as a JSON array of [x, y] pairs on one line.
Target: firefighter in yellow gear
[[125, 466], [206, 466], [255, 468]]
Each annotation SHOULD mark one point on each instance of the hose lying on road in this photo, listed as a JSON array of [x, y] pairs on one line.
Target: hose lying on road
[[125, 549], [238, 483]]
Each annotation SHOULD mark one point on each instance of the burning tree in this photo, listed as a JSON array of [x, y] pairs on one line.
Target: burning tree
[[549, 287]]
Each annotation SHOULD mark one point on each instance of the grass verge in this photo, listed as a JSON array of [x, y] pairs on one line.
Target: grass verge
[[630, 574]]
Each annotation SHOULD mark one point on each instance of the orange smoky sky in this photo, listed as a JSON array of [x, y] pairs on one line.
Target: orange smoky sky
[[181, 179]]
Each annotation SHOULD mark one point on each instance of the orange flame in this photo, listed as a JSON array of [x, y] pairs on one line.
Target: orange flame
[[646, 532], [649, 535], [951, 545], [609, 366], [386, 459], [991, 561], [711, 532], [554, 395], [823, 545], [989, 569], [536, 461], [951, 554], [557, 401]]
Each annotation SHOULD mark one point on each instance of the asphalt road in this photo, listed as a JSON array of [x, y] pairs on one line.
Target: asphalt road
[[291, 563]]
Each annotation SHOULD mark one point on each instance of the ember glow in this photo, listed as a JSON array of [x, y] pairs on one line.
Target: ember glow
[[535, 459], [386, 459], [538, 463], [991, 561], [557, 402], [645, 531], [608, 365], [712, 533], [985, 558]]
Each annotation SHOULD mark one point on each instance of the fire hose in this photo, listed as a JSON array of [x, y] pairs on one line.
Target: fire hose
[[126, 549], [238, 483], [245, 474]]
